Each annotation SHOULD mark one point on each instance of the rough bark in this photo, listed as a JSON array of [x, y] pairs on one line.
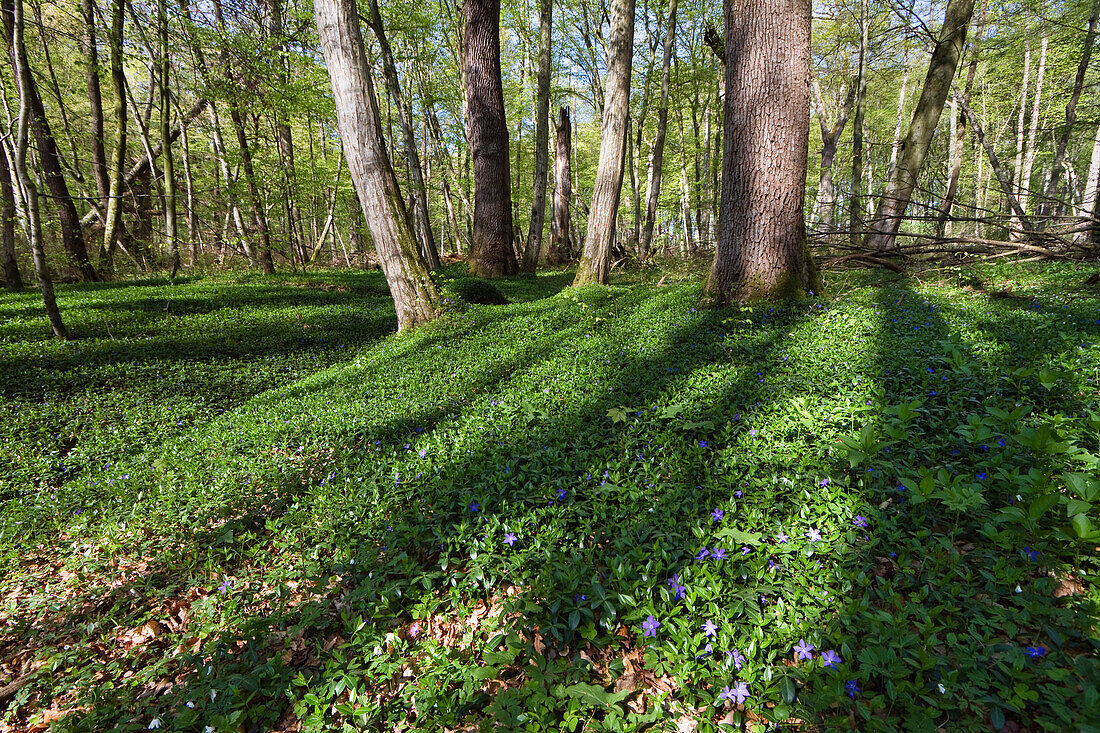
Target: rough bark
[[1058, 165], [914, 149], [491, 251], [657, 156], [761, 250], [13, 278], [419, 189], [14, 25], [414, 295], [560, 227], [53, 175], [542, 141], [604, 208]]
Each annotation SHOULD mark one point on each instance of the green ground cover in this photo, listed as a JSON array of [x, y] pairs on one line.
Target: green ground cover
[[243, 504]]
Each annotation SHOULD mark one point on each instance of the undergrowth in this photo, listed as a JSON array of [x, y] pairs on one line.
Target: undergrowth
[[240, 505]]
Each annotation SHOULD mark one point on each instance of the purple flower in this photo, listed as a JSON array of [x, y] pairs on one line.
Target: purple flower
[[709, 629], [702, 444], [830, 658], [719, 553], [771, 564], [753, 432], [782, 536], [860, 521], [703, 554], [509, 538], [823, 483], [227, 584], [1036, 652], [745, 550], [737, 657], [473, 506], [804, 650], [739, 693], [561, 495], [852, 688], [981, 476], [423, 452], [1031, 554], [414, 629], [814, 535], [739, 493], [717, 515], [650, 625]]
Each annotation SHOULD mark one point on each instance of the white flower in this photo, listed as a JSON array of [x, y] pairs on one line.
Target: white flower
[[208, 729], [154, 723], [1019, 589], [213, 694], [190, 704]]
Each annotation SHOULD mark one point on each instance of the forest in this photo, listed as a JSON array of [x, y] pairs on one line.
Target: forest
[[550, 365]]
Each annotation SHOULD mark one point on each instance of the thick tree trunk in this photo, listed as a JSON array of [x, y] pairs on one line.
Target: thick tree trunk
[[560, 228], [72, 238], [1087, 225], [1057, 166], [419, 189], [657, 156], [937, 84], [595, 262], [762, 250], [491, 250], [14, 25], [542, 141], [13, 279], [414, 295]]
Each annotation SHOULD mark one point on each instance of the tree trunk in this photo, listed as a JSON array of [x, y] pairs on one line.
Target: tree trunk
[[113, 212], [762, 251], [958, 128], [415, 297], [825, 203], [560, 227], [542, 141], [604, 209], [1033, 129], [169, 167], [283, 135], [419, 189], [855, 211], [72, 238], [13, 279], [657, 155], [1071, 113], [95, 102], [491, 250], [14, 25], [937, 83], [1003, 176]]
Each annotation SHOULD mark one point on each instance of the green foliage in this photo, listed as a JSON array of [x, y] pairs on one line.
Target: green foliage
[[473, 524]]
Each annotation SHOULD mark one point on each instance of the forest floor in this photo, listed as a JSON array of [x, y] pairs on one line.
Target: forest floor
[[242, 503]]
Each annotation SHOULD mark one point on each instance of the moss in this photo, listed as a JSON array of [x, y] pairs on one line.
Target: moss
[[475, 292]]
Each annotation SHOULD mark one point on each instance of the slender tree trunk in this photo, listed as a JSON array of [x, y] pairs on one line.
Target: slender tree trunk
[[1021, 131], [595, 262], [656, 158], [13, 279], [415, 297], [762, 250], [640, 169], [937, 84], [95, 101], [897, 125], [283, 135], [542, 141], [14, 25], [1033, 130], [1003, 177], [825, 203], [169, 166], [491, 250], [685, 187], [958, 128], [72, 238], [1057, 165], [416, 178], [113, 213], [560, 227], [855, 211]]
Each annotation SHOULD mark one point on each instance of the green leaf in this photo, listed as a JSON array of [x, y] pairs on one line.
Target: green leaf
[[595, 696], [1085, 485], [485, 673], [1042, 505], [1082, 525], [997, 718], [617, 414], [787, 690]]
